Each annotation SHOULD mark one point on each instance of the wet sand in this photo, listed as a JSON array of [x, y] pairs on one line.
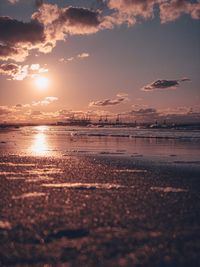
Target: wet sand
[[98, 211]]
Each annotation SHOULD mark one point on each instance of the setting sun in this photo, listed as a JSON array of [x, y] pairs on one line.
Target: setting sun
[[42, 82]]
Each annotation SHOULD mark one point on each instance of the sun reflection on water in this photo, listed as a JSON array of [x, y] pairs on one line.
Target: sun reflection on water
[[40, 145]]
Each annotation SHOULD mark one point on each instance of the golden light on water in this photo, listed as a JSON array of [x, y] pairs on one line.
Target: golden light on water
[[41, 82], [40, 144]]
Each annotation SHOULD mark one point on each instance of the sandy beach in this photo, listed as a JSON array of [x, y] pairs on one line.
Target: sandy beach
[[102, 209]]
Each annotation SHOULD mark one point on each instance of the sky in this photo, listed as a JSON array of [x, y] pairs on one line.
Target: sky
[[136, 59]]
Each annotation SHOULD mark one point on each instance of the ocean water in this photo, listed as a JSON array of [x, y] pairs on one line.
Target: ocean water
[[167, 145]]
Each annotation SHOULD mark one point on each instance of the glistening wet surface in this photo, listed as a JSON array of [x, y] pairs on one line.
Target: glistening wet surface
[[81, 197], [104, 211]]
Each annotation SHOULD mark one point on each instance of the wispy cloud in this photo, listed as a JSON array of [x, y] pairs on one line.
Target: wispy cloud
[[46, 101], [83, 55], [164, 84], [109, 102], [13, 1]]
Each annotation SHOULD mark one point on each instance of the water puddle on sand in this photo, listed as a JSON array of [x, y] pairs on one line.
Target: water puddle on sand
[[130, 171], [5, 225], [30, 195], [168, 189], [84, 186]]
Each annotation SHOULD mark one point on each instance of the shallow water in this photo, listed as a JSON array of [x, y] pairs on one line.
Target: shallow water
[[167, 145]]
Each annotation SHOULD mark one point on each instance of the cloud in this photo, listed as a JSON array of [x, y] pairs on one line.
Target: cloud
[[17, 38], [13, 1], [83, 55], [79, 56], [50, 23], [19, 73], [146, 114], [4, 110], [60, 22], [15, 71], [46, 101], [15, 32], [11, 52], [129, 11], [36, 113], [144, 111], [70, 59], [172, 10], [35, 66], [109, 102], [163, 84]]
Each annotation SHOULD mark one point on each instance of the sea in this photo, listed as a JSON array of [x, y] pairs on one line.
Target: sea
[[163, 145]]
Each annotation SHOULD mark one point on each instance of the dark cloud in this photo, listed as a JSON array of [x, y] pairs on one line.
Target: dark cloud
[[38, 3], [81, 16], [13, 31], [164, 84], [109, 102], [9, 52], [9, 68], [60, 21], [18, 37]]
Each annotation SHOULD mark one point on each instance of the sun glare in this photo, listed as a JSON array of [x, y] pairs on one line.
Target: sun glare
[[42, 82]]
